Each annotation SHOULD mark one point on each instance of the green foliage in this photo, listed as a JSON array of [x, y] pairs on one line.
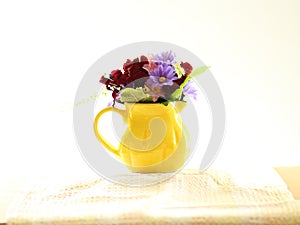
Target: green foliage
[[165, 103], [134, 95]]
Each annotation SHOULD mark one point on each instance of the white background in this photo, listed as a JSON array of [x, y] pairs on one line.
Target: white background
[[47, 46]]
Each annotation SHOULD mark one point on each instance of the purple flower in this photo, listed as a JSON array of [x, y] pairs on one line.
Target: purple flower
[[164, 74], [165, 57], [190, 91]]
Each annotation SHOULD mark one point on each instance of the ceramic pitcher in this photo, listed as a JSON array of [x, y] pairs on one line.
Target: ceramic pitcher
[[155, 139]]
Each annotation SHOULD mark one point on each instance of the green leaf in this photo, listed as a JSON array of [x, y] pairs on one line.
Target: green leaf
[[165, 103], [196, 72], [176, 94], [199, 70], [133, 95]]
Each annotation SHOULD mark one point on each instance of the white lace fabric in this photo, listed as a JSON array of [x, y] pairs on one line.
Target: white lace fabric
[[190, 197]]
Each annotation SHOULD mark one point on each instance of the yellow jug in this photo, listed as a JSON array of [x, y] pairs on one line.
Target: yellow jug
[[154, 141]]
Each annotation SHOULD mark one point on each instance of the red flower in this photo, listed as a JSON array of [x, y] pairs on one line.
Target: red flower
[[187, 68], [103, 80], [117, 77], [133, 72], [180, 80], [115, 94], [151, 65]]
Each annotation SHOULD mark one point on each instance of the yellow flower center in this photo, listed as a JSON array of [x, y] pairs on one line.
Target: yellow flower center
[[161, 79]]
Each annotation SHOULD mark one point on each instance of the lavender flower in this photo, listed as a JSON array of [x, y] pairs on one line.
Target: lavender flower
[[165, 57], [190, 91], [164, 74]]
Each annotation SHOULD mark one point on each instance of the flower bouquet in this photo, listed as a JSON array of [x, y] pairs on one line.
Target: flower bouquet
[[158, 78]]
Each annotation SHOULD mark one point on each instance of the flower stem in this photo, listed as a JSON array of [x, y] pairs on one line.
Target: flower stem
[[182, 96]]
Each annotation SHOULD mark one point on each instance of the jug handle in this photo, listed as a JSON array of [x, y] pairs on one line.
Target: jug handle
[[105, 143]]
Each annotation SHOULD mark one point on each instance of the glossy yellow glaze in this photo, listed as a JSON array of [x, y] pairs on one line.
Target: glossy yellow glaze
[[154, 140]]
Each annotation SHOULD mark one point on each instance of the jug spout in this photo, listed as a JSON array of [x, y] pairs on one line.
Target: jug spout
[[179, 106]]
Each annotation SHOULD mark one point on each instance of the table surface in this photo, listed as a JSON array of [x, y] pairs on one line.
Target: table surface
[[291, 176]]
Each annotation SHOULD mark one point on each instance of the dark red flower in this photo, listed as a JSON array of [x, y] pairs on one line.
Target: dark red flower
[[133, 74], [187, 68], [115, 94], [116, 74], [117, 77], [143, 60], [151, 65], [134, 70], [103, 80], [180, 80]]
